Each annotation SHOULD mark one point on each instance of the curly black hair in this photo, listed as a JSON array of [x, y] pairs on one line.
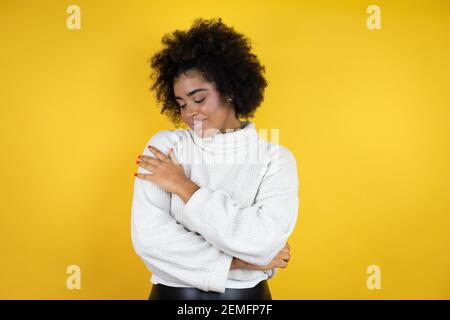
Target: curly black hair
[[221, 55]]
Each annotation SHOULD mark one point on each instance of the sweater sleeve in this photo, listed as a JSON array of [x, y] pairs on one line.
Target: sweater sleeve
[[167, 248], [257, 233]]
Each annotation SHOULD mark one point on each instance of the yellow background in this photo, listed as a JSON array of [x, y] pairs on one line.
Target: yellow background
[[366, 113]]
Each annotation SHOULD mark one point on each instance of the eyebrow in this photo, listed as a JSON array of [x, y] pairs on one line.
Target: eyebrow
[[192, 92]]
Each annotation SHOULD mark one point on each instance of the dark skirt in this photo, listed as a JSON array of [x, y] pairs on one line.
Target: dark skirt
[[162, 292]]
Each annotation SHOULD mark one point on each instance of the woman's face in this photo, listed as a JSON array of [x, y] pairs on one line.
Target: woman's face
[[201, 106]]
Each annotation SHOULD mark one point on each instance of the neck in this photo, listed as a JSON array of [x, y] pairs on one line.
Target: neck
[[234, 124]]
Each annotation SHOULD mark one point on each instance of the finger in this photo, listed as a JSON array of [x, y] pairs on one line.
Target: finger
[[285, 250], [148, 166], [286, 257], [173, 157], [282, 264], [144, 176], [149, 159], [161, 156]]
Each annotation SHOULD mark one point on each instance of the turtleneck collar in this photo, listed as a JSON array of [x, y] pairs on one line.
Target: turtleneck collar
[[230, 141]]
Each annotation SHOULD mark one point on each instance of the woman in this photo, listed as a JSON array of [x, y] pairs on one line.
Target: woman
[[213, 204]]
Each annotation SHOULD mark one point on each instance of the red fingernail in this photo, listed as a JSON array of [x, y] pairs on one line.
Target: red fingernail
[[137, 161], [135, 174]]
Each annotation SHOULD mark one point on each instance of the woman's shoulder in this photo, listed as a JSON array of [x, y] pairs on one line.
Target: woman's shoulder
[[167, 138], [278, 155], [276, 151]]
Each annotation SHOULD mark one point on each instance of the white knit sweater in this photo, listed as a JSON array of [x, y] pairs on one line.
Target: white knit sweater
[[246, 207]]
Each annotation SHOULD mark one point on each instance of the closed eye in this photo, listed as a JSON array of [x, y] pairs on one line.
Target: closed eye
[[199, 101]]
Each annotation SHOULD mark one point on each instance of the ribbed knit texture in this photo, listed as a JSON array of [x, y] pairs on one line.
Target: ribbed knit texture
[[246, 207]]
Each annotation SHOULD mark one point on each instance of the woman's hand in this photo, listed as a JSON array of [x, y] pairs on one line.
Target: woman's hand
[[166, 172], [280, 261]]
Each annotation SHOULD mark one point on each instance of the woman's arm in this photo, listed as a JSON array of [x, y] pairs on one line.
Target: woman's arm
[[168, 249], [280, 261], [254, 234]]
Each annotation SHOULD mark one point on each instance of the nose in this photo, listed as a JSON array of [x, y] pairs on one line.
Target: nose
[[192, 110]]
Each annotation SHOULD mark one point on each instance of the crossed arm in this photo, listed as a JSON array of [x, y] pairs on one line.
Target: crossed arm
[[207, 256]]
